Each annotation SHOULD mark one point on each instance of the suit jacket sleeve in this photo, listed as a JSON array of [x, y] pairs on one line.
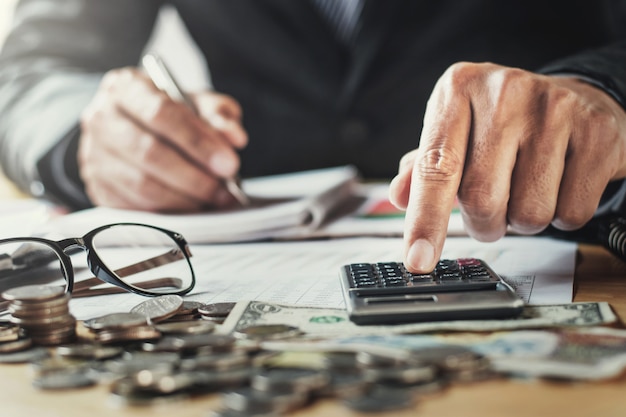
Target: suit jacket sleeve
[[50, 67]]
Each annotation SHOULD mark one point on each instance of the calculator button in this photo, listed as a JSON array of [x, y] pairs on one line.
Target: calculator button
[[450, 276], [468, 261], [479, 278], [393, 278], [421, 278], [395, 283], [365, 284]]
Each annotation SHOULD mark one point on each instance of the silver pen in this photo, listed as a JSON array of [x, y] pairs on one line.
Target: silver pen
[[164, 81]]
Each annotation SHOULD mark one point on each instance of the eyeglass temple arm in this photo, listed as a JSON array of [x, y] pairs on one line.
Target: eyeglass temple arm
[[89, 291], [154, 262]]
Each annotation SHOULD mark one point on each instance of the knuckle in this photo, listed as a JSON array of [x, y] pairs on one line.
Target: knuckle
[[146, 149], [229, 104], [160, 108], [479, 203], [438, 164], [564, 100], [459, 75], [604, 123], [571, 219], [531, 220], [113, 79]]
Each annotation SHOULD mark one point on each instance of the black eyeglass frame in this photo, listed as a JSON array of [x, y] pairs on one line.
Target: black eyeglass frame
[[97, 266]]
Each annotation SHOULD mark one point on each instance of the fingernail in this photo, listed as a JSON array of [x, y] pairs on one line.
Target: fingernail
[[223, 165], [421, 256]]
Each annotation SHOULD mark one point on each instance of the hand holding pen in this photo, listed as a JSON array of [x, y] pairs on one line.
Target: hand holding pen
[[164, 80], [142, 148]]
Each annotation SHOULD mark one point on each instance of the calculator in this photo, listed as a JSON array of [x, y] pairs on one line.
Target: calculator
[[457, 289]]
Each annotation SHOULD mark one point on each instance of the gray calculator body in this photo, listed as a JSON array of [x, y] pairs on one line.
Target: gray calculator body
[[458, 289]]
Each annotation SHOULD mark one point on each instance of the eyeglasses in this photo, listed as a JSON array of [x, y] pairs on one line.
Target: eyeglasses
[[137, 258]]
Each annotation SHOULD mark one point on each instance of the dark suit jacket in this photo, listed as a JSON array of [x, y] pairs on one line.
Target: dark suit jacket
[[308, 100]]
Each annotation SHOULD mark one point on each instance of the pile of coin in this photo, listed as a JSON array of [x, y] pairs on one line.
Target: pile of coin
[[43, 313], [165, 350]]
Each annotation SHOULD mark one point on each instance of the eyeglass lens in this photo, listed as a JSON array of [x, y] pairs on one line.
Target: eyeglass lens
[[27, 262], [144, 258]]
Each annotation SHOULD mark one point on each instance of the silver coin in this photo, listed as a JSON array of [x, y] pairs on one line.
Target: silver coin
[[345, 384], [268, 332], [57, 364], [219, 380], [214, 320], [190, 307], [139, 361], [181, 318], [216, 309], [63, 380], [449, 357], [381, 399], [159, 308], [411, 374], [159, 382], [124, 391], [290, 379], [116, 321], [368, 359], [15, 346], [184, 327], [88, 351], [340, 361], [181, 343], [24, 356], [216, 361], [34, 293]]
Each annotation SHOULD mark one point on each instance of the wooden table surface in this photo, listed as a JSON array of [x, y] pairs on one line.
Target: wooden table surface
[[599, 277]]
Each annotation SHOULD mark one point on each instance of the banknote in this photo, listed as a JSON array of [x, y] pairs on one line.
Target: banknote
[[325, 322], [570, 354]]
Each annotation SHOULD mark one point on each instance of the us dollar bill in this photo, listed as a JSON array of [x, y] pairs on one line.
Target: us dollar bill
[[326, 322], [581, 353]]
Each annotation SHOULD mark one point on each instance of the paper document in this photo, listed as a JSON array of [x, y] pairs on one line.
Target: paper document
[[306, 273]]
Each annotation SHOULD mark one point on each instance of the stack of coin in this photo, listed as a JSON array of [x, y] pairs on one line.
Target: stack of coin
[[457, 363], [43, 312], [159, 308], [121, 328], [187, 312], [60, 372], [215, 312]]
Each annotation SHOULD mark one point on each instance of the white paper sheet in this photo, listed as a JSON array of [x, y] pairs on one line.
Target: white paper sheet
[[306, 272]]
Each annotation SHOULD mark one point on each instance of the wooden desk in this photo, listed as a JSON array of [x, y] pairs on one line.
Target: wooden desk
[[599, 277]]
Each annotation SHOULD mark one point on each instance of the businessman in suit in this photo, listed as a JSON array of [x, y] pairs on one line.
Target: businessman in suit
[[517, 107]]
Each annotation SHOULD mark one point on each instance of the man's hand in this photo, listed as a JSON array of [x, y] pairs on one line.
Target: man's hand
[[519, 150], [139, 149]]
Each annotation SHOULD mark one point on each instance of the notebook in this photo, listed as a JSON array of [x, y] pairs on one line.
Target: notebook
[[290, 205]]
